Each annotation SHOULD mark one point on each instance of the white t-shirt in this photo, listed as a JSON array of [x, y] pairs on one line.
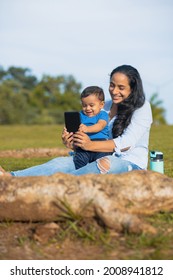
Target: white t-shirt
[[135, 136]]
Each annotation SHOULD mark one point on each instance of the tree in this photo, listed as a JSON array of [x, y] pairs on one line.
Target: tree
[[157, 110], [14, 108], [24, 99], [53, 96], [21, 75]]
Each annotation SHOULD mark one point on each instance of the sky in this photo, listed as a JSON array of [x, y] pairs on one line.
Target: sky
[[89, 38]]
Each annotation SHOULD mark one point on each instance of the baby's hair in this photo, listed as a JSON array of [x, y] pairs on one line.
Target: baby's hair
[[95, 90]]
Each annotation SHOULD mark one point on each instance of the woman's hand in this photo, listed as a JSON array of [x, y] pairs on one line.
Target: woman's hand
[[67, 138], [81, 140]]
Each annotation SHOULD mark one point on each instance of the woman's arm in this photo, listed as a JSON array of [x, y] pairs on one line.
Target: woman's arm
[[83, 141], [140, 124]]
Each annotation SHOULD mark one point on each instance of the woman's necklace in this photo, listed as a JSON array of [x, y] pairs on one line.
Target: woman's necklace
[[113, 111]]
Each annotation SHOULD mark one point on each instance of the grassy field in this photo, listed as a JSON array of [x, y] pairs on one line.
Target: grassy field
[[20, 137], [126, 246]]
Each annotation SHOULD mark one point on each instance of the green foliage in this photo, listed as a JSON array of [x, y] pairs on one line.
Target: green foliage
[[157, 110], [25, 100], [21, 75]]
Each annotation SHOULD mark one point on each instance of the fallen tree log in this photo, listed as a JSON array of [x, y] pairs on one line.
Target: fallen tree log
[[118, 201]]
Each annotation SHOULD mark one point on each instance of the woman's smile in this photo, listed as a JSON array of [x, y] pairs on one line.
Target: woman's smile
[[119, 87]]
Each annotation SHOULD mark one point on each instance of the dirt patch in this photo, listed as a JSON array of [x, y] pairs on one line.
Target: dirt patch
[[28, 241], [51, 241], [34, 153]]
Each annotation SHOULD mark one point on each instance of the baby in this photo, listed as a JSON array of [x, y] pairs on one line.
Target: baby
[[94, 122]]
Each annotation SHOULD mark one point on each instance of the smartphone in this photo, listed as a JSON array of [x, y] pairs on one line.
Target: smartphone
[[72, 121]]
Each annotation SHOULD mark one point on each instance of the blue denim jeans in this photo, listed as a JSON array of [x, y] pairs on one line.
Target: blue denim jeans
[[66, 165]]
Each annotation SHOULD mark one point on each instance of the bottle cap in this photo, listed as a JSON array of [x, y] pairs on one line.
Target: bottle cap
[[156, 155]]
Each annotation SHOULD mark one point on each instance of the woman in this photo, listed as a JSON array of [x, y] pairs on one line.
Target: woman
[[130, 120]]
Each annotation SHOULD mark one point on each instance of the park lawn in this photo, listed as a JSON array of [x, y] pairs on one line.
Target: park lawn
[[161, 138], [49, 136], [125, 246], [22, 137], [26, 136]]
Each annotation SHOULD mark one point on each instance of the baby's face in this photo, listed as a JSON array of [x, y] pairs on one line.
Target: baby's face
[[91, 105]]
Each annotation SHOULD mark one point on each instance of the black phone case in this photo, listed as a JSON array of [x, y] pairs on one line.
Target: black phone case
[[72, 121]]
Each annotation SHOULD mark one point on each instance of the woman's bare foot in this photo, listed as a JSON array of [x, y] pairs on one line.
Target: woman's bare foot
[[3, 172], [2, 169]]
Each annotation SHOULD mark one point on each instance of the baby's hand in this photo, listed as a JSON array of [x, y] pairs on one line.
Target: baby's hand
[[83, 128]]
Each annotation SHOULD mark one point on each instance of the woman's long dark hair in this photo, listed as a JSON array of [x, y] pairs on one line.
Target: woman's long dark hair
[[134, 101]]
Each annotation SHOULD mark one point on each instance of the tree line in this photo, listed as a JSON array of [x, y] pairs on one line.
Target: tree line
[[26, 100]]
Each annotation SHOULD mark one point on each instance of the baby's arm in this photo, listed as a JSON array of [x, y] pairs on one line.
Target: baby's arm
[[93, 128]]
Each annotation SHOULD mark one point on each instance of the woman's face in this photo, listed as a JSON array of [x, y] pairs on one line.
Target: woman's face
[[119, 87]]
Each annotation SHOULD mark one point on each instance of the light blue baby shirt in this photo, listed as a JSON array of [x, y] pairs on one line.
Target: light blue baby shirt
[[88, 121]]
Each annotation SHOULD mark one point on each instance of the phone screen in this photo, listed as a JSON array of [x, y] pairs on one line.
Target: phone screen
[[72, 121]]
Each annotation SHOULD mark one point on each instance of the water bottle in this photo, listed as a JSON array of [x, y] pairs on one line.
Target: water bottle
[[156, 161]]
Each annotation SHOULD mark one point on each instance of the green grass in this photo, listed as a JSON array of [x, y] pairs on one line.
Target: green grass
[[22, 137], [129, 246], [49, 136], [161, 138], [35, 136]]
